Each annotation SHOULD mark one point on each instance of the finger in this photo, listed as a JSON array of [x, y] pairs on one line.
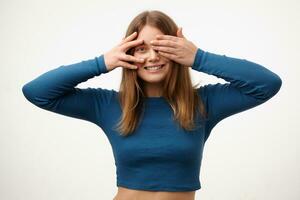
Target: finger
[[129, 38], [168, 55], [131, 44], [168, 43], [130, 58], [127, 65], [165, 49], [167, 37]]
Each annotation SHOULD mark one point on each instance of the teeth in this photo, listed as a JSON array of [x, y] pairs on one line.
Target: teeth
[[153, 68]]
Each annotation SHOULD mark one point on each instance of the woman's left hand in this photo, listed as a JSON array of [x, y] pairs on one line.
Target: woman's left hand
[[175, 48]]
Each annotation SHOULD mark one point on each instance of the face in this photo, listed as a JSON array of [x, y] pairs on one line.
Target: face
[[151, 57]]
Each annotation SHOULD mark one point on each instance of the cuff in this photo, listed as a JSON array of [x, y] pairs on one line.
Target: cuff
[[101, 64], [198, 57]]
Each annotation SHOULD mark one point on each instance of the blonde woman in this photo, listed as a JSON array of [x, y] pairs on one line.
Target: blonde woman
[[158, 122]]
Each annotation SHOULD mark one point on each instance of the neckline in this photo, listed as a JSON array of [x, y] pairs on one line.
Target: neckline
[[151, 98], [159, 99]]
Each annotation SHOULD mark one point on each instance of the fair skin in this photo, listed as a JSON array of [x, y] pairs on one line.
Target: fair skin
[[163, 49], [152, 81]]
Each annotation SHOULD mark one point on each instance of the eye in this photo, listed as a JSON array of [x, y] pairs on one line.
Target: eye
[[140, 49]]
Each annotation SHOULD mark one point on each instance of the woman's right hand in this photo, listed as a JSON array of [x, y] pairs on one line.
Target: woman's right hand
[[117, 56]]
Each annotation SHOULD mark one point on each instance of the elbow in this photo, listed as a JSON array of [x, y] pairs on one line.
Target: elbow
[[30, 92], [27, 92], [274, 84]]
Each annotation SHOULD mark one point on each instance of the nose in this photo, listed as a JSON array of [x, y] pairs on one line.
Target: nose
[[154, 56]]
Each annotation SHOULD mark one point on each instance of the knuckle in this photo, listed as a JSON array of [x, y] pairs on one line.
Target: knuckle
[[125, 46], [119, 48], [131, 58], [119, 56]]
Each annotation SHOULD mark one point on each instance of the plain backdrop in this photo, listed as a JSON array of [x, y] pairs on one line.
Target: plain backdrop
[[253, 155]]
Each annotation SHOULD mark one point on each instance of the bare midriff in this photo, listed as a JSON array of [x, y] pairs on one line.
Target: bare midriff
[[131, 194]]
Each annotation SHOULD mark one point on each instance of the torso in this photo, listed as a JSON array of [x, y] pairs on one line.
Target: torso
[[131, 194], [156, 147]]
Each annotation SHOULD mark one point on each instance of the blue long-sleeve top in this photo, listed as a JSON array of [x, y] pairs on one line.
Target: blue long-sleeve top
[[159, 156]]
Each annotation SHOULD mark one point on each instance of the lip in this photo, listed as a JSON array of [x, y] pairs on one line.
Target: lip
[[154, 65], [156, 71]]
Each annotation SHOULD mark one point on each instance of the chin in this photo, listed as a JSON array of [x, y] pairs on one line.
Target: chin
[[153, 80]]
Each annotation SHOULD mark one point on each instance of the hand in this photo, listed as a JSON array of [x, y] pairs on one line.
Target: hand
[[175, 48], [117, 56]]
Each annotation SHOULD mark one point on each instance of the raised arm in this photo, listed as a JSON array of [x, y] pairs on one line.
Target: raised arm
[[55, 90], [250, 85]]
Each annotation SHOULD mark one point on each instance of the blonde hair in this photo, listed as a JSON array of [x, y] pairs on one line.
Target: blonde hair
[[177, 87]]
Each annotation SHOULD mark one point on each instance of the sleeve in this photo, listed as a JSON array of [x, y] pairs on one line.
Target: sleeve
[[250, 85], [56, 90]]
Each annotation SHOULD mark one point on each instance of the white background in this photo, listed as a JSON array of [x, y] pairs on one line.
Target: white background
[[253, 155]]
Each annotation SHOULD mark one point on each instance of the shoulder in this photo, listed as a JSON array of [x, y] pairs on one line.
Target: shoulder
[[211, 87], [105, 95], [213, 90]]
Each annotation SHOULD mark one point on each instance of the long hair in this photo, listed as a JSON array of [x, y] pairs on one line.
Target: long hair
[[177, 87]]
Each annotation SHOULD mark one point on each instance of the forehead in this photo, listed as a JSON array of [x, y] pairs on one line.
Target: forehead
[[149, 33]]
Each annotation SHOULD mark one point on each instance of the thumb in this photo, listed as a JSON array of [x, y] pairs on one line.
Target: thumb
[[179, 33]]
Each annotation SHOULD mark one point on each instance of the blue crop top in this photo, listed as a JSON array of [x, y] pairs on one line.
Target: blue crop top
[[159, 156]]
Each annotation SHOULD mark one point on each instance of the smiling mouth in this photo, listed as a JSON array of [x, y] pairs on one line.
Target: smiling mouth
[[154, 68]]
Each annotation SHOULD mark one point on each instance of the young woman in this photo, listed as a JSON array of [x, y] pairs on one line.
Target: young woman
[[158, 122]]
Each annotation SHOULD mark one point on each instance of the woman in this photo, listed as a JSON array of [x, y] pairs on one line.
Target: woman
[[158, 122]]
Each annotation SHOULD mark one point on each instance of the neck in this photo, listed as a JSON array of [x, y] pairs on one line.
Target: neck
[[153, 89]]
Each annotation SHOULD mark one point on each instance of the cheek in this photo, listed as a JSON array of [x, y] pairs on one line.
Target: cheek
[[168, 66], [139, 65]]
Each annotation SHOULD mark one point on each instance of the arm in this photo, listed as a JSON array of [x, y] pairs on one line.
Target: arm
[[250, 85], [55, 90]]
